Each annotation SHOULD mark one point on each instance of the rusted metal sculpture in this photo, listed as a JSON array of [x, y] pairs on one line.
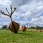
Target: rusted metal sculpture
[[23, 28], [41, 30], [13, 25]]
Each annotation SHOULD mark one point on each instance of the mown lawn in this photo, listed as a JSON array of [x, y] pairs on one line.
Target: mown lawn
[[6, 36]]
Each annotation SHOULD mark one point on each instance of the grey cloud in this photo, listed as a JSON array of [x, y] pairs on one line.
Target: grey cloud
[[18, 3]]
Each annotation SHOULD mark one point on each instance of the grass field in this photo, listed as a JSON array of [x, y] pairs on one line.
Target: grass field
[[6, 36]]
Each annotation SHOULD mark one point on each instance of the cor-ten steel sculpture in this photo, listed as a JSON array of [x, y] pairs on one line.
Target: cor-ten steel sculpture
[[14, 26]]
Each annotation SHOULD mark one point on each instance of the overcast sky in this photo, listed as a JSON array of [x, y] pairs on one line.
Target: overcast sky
[[28, 12]]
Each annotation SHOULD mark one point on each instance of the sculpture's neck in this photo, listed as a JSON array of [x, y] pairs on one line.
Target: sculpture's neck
[[11, 18]]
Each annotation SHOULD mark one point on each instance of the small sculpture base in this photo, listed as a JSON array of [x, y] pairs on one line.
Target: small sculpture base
[[23, 28]]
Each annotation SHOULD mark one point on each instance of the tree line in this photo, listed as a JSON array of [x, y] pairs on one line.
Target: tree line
[[36, 27]]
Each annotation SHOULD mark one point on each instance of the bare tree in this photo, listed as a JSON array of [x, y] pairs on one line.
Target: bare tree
[[9, 14]]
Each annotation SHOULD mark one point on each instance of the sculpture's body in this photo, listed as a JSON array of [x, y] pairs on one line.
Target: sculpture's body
[[14, 27], [23, 28]]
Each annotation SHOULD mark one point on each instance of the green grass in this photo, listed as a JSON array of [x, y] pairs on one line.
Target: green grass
[[6, 36]]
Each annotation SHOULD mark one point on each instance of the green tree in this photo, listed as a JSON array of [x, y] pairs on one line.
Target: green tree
[[37, 27], [4, 27]]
